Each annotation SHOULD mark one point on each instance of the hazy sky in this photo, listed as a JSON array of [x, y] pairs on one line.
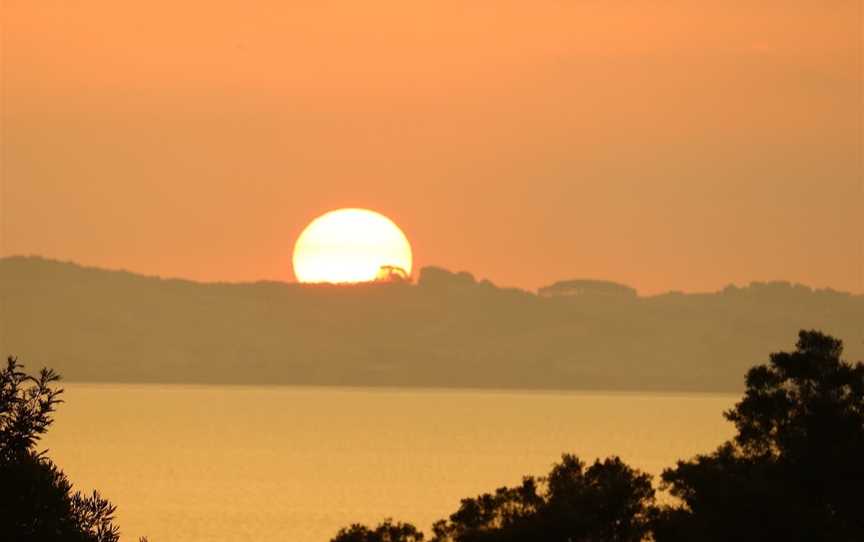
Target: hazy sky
[[664, 144]]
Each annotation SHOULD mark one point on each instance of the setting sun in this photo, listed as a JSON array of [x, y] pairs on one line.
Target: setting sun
[[351, 245]]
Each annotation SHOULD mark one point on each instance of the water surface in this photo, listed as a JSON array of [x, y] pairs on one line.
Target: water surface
[[202, 463]]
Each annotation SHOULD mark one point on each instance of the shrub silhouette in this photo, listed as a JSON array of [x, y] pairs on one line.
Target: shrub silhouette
[[384, 532], [36, 499], [795, 470], [607, 501]]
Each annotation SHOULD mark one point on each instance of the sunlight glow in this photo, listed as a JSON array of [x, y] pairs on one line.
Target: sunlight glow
[[350, 245]]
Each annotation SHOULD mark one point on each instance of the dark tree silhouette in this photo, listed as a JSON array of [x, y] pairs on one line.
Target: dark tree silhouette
[[384, 532], [608, 501], [795, 470], [36, 499]]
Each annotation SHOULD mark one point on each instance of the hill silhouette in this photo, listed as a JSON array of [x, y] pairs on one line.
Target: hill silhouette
[[448, 330]]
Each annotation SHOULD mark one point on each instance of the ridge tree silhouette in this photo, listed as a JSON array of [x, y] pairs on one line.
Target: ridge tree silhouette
[[36, 499], [384, 532], [795, 469]]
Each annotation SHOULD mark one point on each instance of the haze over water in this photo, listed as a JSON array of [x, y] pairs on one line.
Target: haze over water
[[212, 463]]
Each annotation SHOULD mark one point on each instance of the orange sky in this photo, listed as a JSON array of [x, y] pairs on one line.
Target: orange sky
[[664, 144]]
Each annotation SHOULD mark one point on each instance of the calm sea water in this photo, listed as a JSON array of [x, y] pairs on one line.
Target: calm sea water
[[190, 464]]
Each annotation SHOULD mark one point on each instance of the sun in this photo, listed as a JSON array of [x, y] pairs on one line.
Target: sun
[[351, 245]]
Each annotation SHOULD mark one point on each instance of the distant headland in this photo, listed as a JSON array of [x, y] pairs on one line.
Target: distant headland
[[446, 330]]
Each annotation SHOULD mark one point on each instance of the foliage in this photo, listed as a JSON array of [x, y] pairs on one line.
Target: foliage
[[26, 405], [608, 501], [36, 498], [384, 532], [795, 470]]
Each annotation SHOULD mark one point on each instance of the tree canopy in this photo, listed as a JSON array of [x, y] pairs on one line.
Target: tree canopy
[[795, 469], [384, 532], [606, 501], [37, 503]]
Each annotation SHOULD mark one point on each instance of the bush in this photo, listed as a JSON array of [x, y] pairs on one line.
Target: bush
[[36, 499]]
